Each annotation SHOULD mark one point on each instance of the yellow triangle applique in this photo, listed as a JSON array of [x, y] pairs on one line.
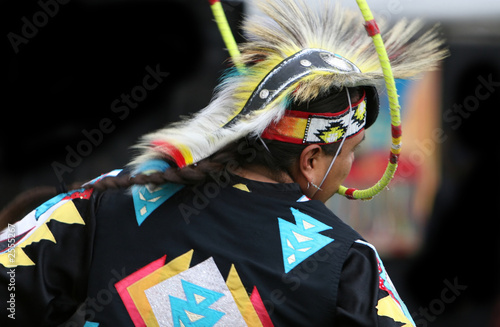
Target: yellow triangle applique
[[41, 233], [242, 187], [388, 307], [67, 214], [15, 258], [247, 310]]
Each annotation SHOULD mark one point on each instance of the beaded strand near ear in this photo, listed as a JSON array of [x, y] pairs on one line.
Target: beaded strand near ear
[[340, 147]]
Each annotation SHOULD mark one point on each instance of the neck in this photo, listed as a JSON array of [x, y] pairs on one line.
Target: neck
[[262, 174]]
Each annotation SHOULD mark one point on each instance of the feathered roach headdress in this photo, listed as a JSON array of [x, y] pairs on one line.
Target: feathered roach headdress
[[295, 52]]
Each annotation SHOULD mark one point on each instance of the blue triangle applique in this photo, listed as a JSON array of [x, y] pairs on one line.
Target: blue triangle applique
[[301, 240], [195, 310], [147, 198]]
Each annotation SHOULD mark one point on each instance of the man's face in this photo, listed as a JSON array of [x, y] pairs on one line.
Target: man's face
[[339, 171]]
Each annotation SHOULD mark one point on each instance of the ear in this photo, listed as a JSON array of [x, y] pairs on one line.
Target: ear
[[309, 162]]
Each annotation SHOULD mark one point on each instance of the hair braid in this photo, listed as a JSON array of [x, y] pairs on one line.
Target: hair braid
[[189, 175]]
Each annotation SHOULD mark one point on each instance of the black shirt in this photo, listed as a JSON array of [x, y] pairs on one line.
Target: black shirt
[[231, 252]]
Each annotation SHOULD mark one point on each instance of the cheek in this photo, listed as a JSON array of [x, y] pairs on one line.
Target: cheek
[[346, 164], [351, 158], [341, 169]]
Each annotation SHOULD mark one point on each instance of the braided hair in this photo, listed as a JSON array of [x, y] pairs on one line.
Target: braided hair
[[277, 157]]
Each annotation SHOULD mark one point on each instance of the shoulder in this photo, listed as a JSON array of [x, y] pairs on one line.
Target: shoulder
[[339, 230], [71, 208], [366, 292]]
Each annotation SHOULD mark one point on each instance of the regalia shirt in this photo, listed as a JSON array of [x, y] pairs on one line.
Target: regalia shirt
[[230, 252]]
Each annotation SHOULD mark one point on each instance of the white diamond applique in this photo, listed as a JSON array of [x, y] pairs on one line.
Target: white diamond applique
[[301, 238], [307, 225]]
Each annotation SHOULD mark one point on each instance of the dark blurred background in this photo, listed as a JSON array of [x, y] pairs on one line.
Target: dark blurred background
[[83, 80], [461, 242], [76, 92]]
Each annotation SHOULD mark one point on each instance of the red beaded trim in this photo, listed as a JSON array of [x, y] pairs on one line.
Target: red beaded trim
[[372, 28]]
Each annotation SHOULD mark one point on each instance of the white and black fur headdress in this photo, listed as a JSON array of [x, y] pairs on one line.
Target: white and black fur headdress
[[294, 52]]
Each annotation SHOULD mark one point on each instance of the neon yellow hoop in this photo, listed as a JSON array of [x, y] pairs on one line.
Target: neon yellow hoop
[[225, 31], [374, 33], [395, 109]]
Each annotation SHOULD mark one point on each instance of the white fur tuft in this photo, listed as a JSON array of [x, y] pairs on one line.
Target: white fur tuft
[[287, 27]]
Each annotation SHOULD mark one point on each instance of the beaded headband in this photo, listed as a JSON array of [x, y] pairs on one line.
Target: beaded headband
[[300, 127]]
